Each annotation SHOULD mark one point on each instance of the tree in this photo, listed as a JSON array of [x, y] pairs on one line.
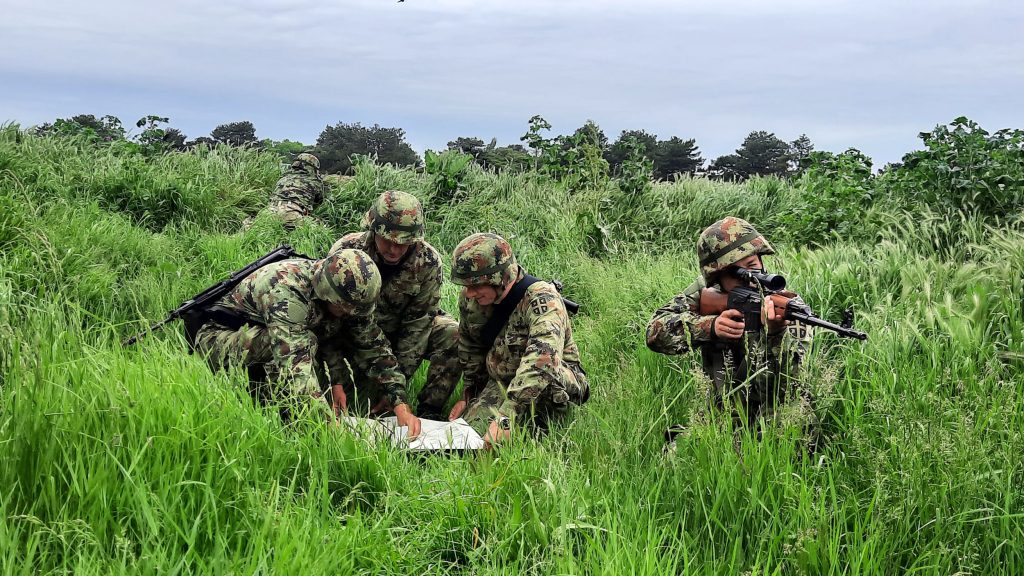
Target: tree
[[676, 155], [155, 139], [286, 149], [591, 133], [104, 129], [467, 145], [336, 144], [575, 160], [514, 157], [637, 170], [761, 153], [727, 167], [800, 149], [202, 141], [617, 153], [764, 153], [174, 139], [492, 156], [535, 141], [235, 133]]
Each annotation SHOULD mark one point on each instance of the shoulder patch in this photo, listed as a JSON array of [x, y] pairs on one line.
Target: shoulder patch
[[542, 299], [540, 305]]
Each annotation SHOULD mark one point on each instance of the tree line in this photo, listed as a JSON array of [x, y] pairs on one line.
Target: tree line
[[760, 153]]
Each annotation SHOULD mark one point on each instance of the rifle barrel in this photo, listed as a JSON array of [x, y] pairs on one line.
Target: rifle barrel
[[130, 341], [570, 306], [815, 321]]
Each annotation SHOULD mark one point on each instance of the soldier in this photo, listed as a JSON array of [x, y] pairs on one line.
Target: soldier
[[407, 308], [288, 319], [299, 191], [754, 370], [515, 342]]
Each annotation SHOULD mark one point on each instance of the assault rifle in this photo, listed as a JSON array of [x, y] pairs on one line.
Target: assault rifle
[[571, 307], [193, 311], [748, 300]]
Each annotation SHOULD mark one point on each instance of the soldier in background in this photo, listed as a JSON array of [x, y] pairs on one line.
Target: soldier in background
[[753, 373], [407, 308], [288, 319], [299, 191], [519, 358]]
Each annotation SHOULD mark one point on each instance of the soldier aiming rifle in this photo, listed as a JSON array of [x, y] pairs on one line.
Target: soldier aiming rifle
[[751, 332]]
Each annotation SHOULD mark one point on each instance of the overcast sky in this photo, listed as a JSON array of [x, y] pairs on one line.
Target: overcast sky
[[869, 74]]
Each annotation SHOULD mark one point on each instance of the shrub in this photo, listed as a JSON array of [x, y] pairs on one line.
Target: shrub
[[962, 167]]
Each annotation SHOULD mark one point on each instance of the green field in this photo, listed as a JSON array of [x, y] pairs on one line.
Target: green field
[[143, 461]]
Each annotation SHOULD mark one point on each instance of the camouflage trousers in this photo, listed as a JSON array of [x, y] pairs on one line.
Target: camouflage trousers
[[554, 402], [752, 386], [249, 347], [291, 213], [769, 396], [445, 369], [442, 375]]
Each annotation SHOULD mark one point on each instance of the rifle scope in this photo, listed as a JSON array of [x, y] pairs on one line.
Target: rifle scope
[[767, 281]]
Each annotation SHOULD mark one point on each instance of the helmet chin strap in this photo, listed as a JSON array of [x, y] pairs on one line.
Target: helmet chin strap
[[506, 288]]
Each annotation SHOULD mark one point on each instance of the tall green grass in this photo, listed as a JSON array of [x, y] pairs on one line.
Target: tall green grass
[[143, 461]]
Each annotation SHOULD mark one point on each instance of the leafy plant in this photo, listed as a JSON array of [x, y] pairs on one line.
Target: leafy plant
[[636, 170], [962, 168], [576, 160], [834, 193], [448, 170]]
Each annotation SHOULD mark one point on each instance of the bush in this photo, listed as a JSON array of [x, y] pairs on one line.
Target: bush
[[833, 195], [962, 168], [448, 170]]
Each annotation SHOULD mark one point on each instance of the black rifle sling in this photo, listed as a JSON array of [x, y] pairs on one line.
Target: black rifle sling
[[503, 310]]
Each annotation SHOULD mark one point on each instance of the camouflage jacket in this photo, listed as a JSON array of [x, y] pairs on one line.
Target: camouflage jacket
[[280, 297], [408, 297], [531, 351], [678, 326], [300, 188]]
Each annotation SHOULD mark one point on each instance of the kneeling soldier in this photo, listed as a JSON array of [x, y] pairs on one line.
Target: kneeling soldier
[[407, 308], [288, 318], [515, 341], [752, 371]]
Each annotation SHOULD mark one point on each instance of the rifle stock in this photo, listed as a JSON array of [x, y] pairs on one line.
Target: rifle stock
[[713, 302]]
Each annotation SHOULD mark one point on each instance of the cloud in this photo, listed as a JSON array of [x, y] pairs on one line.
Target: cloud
[[445, 68]]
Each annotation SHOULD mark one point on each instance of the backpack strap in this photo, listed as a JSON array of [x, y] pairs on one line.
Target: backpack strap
[[503, 310]]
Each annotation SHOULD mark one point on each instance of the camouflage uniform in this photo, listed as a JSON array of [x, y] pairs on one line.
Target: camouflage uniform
[[533, 367], [762, 368], [407, 308], [299, 191], [275, 320]]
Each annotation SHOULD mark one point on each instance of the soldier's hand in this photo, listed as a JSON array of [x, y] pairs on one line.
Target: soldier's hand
[[495, 434], [457, 410], [729, 325], [339, 400], [774, 316], [406, 418]]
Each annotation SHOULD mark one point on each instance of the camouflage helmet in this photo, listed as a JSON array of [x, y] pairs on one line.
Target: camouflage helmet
[[397, 216], [725, 243], [306, 159], [349, 278], [484, 259]]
